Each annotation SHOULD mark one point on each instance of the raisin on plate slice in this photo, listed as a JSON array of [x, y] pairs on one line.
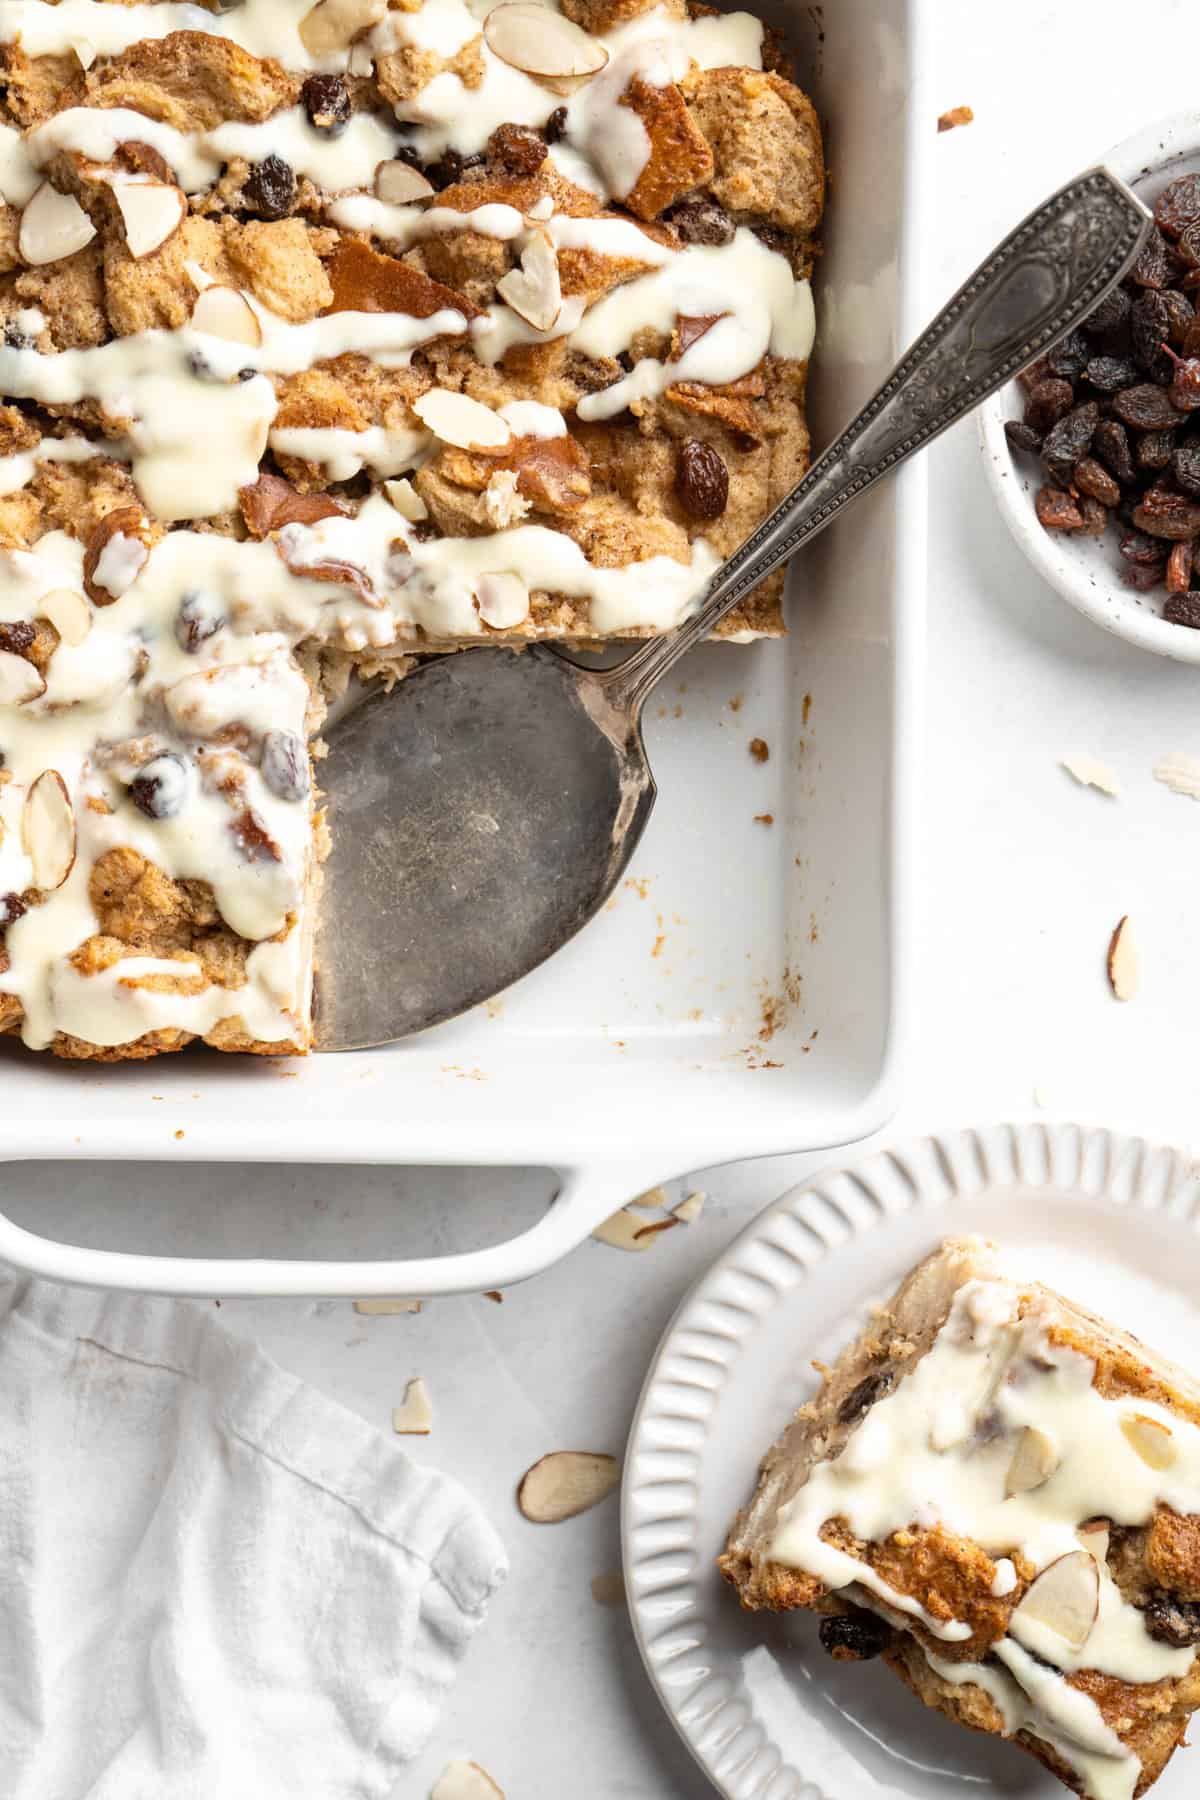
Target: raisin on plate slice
[[1171, 1621], [854, 1636]]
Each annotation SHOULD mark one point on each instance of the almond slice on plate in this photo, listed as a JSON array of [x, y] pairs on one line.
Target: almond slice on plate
[[68, 612], [565, 1483], [1034, 1462], [1124, 962], [461, 421], [1089, 771], [690, 1207], [503, 600], [534, 290], [1180, 772], [399, 183], [19, 680], [532, 38], [1065, 1599], [465, 1781], [223, 312], [406, 500], [414, 1416], [1150, 1439], [332, 25], [48, 830], [379, 1308], [53, 225], [151, 211], [625, 1230]]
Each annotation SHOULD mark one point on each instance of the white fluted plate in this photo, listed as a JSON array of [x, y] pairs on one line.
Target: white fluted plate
[[1110, 1221]]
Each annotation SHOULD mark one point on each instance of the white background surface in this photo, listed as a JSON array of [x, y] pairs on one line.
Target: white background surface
[[1023, 877]]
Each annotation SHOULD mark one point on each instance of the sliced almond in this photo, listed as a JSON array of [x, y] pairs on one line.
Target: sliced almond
[[1180, 772], [19, 680], [1124, 962], [68, 612], [465, 1781], [690, 1207], [1065, 1599], [48, 830], [609, 1589], [534, 290], [461, 421], [1089, 771], [53, 225], [540, 42], [1034, 1462], [332, 25], [399, 183], [503, 600], [414, 1416], [1094, 1536], [406, 500], [115, 554], [223, 312], [565, 1483], [657, 1226], [381, 1308], [150, 212], [1150, 1439], [624, 1231]]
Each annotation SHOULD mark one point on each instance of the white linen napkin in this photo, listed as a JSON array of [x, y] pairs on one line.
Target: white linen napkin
[[215, 1583]]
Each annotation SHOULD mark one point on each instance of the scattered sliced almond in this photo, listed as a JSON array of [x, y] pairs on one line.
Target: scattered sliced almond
[[1089, 771], [1150, 1439], [503, 600], [690, 1207], [19, 680], [1065, 1599], [48, 830], [399, 183], [1180, 772], [150, 212], [1124, 962], [382, 1308], [53, 225], [565, 1483], [609, 1589], [540, 42], [68, 612], [406, 500], [1034, 1462], [534, 290], [461, 421], [332, 25], [1094, 1536], [465, 1781], [623, 1231], [656, 1226], [414, 1416], [223, 312]]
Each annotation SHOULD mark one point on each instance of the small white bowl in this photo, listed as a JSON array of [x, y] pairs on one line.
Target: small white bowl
[[1087, 571]]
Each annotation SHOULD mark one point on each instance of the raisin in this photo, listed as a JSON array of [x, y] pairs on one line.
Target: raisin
[[1069, 357], [1070, 439], [555, 125], [1150, 325], [1037, 371], [1181, 317], [1093, 516], [1145, 407], [1048, 402], [11, 908], [1171, 1621], [1056, 510], [860, 1399], [1091, 477], [1178, 206], [17, 636], [1154, 449], [1142, 580], [160, 787], [1111, 373], [1179, 568], [1153, 267], [451, 166], [1184, 391], [517, 148], [854, 1636], [1167, 515], [1022, 437], [1111, 444], [1145, 551], [198, 619], [701, 479], [326, 100], [1183, 609], [772, 238], [15, 338], [701, 222], [1185, 466], [285, 765], [1110, 315], [271, 188], [1188, 247]]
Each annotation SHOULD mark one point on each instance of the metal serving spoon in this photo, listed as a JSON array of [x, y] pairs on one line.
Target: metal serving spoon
[[483, 812]]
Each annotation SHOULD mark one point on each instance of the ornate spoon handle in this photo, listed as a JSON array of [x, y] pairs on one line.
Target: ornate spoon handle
[[1046, 276]]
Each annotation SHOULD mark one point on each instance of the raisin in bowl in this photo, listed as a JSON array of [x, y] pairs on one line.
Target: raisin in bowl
[[1093, 454]]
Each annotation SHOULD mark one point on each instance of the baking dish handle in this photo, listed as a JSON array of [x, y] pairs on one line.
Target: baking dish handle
[[586, 1196]]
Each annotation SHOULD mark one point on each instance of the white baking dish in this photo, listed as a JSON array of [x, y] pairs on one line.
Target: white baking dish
[[645, 1047]]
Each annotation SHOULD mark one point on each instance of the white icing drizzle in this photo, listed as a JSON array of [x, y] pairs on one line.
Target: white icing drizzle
[[938, 1450]]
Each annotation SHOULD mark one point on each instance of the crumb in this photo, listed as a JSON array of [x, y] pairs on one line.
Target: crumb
[[495, 1006], [759, 750], [805, 709], [764, 818], [179, 1134], [659, 941], [958, 115], [288, 1074], [494, 1294], [735, 705], [609, 1589], [640, 885]]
